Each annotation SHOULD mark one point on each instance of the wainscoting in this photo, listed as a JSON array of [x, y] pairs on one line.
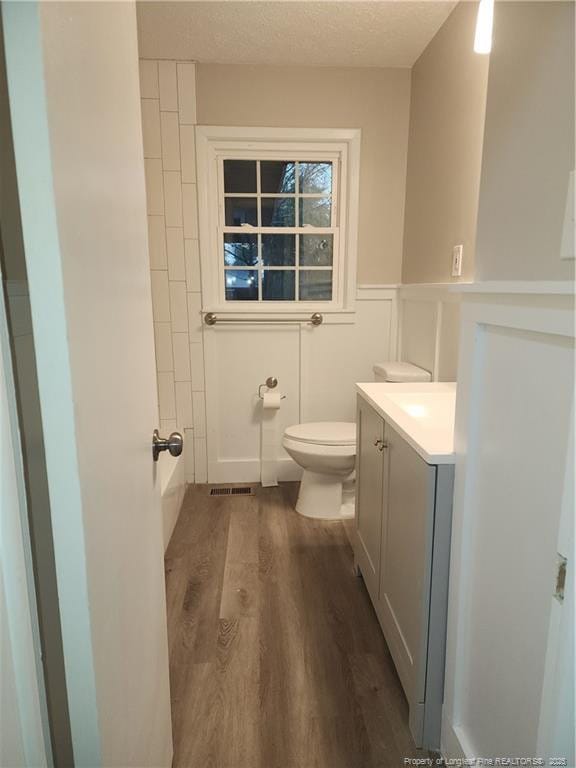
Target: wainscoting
[[317, 368], [429, 327], [510, 642]]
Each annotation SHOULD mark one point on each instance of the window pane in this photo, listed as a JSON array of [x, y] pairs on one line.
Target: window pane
[[277, 176], [239, 176], [241, 284], [315, 285], [316, 250], [240, 250], [278, 212], [279, 250], [316, 178], [241, 210], [278, 285], [315, 211]]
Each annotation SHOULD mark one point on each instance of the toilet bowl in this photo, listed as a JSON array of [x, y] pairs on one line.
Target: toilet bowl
[[326, 451]]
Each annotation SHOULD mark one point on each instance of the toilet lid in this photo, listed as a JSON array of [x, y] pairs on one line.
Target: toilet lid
[[401, 372], [324, 432]]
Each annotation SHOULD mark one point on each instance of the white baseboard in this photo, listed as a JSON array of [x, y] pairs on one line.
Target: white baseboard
[[451, 742]]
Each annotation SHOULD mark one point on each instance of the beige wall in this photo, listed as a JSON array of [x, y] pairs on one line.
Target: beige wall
[[375, 100], [444, 152], [529, 143]]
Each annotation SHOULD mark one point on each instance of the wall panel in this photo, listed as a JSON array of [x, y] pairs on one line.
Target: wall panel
[[317, 368], [513, 464]]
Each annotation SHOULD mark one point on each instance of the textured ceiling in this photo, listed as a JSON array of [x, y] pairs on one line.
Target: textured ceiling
[[387, 33]]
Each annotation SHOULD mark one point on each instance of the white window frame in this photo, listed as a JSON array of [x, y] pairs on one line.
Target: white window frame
[[340, 146]]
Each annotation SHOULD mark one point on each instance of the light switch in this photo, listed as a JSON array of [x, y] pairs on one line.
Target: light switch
[[457, 260]]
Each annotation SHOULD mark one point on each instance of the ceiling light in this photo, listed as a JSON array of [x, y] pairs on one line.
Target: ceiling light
[[484, 21]]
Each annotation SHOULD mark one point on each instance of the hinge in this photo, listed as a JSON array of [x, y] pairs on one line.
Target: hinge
[[560, 578]]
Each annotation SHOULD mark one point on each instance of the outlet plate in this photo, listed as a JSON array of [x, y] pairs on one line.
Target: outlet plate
[[457, 260]]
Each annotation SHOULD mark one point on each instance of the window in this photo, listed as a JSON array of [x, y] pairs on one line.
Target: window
[[275, 220], [278, 229]]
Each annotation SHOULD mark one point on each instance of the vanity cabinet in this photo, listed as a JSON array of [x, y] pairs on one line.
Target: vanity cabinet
[[402, 545], [369, 494]]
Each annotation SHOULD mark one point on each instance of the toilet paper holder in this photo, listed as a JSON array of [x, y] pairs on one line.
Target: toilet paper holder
[[271, 382]]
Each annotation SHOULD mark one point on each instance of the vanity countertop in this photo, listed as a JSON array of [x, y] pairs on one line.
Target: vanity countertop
[[422, 413]]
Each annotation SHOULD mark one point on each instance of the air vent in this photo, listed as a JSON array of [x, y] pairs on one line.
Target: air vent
[[231, 491]]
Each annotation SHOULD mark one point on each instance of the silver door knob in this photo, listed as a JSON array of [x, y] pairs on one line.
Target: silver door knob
[[173, 444]]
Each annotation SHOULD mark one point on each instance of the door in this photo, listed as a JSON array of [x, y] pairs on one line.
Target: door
[[369, 501], [406, 556], [74, 102]]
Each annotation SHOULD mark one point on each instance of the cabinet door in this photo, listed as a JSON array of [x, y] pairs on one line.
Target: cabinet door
[[369, 482], [406, 561]]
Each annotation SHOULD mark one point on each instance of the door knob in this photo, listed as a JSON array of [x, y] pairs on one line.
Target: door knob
[[173, 444]]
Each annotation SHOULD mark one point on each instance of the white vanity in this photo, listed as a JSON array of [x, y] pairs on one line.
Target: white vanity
[[405, 475]]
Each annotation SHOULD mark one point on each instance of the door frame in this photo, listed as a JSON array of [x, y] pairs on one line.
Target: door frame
[[31, 138], [17, 574], [81, 183]]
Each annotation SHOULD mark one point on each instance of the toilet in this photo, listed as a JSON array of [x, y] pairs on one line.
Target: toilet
[[326, 451], [400, 372]]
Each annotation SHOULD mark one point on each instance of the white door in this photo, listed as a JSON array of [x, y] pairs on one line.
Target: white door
[[75, 107]]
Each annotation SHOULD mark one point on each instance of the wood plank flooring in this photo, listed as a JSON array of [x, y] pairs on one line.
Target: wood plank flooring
[[276, 656]]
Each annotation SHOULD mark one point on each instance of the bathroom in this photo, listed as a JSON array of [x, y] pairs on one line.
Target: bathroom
[[306, 238]]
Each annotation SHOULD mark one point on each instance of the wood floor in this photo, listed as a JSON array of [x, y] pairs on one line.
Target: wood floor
[[276, 655]]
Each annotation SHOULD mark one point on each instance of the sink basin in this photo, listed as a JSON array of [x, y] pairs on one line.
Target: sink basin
[[434, 408]]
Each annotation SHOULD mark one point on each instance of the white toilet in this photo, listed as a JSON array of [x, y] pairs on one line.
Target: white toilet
[[326, 451]]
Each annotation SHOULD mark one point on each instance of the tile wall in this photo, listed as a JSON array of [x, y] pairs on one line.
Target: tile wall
[[168, 98]]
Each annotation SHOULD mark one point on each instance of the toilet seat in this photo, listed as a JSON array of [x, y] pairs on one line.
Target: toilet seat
[[323, 433]]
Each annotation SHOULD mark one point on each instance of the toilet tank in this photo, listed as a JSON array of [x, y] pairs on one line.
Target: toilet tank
[[400, 372]]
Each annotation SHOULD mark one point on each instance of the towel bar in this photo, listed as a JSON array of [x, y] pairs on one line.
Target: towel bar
[[211, 318]]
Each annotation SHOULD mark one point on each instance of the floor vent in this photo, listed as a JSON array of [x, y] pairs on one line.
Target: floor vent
[[231, 492]]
